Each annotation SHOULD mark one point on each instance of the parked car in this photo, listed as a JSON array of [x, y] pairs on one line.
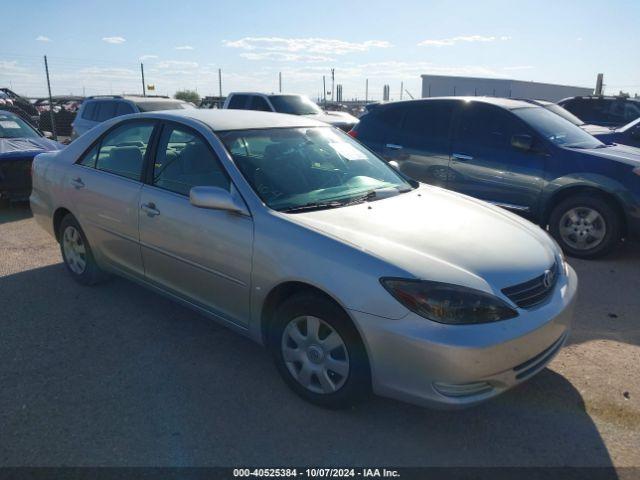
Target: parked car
[[626, 135], [95, 110], [602, 110], [519, 156], [290, 232], [292, 104], [64, 112], [26, 109], [19, 143]]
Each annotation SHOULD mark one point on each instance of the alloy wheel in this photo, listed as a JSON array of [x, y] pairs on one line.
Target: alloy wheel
[[582, 228]]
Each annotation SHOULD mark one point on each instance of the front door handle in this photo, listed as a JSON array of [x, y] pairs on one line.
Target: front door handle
[[150, 209], [462, 157], [394, 146], [78, 183]]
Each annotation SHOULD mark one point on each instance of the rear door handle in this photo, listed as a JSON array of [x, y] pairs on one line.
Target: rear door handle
[[394, 146], [150, 209], [77, 182], [462, 157]]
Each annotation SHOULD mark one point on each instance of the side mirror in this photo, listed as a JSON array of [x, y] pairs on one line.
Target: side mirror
[[394, 164], [522, 142], [48, 135], [216, 198]]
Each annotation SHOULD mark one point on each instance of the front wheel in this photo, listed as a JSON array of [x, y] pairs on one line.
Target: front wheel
[[585, 226], [319, 353]]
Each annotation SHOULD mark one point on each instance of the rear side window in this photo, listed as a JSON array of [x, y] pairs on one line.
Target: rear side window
[[259, 103], [105, 111], [237, 102], [391, 117], [89, 110], [122, 150], [428, 122]]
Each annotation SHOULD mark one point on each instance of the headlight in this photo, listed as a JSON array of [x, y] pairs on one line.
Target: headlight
[[560, 254], [446, 303]]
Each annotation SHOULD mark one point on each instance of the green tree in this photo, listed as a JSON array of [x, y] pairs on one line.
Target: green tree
[[188, 96]]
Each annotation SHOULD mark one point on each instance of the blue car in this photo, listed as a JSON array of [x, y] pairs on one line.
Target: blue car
[[19, 143], [517, 155]]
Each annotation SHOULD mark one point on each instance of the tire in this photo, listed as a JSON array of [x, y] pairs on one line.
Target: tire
[[595, 233], [77, 254], [351, 385]]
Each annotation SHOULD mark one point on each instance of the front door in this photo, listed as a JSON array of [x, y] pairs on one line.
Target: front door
[[201, 255], [485, 165], [106, 185]]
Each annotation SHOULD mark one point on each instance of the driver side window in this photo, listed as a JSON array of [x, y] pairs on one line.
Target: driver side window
[[185, 160]]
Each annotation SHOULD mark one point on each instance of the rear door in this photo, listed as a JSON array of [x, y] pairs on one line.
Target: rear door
[[105, 186], [201, 255], [421, 147], [485, 165]]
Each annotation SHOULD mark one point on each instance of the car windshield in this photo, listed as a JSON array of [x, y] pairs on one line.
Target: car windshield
[[566, 114], [318, 167], [556, 129], [156, 106], [14, 127], [294, 104]]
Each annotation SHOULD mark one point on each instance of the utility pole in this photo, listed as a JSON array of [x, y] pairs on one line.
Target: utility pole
[[53, 122], [401, 89], [280, 82], [144, 88], [366, 91], [220, 82], [333, 79], [324, 91]]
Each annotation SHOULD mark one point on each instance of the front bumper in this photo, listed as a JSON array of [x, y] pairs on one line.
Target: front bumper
[[448, 366]]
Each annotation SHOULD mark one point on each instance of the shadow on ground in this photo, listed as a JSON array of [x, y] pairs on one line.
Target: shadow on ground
[[117, 375], [14, 212]]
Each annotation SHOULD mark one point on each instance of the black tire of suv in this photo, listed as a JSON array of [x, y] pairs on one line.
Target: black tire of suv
[[357, 387], [92, 274], [613, 224]]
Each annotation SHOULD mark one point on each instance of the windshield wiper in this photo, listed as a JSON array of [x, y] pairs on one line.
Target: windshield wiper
[[307, 207], [370, 195]]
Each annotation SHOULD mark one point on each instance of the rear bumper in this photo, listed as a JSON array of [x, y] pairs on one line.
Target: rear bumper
[[452, 366]]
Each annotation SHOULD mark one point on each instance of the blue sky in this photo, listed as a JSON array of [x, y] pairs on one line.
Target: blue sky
[[98, 46]]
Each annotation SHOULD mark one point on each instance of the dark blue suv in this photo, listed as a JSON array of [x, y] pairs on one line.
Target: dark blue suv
[[519, 156]]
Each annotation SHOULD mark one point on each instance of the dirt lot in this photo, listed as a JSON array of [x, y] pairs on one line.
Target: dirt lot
[[117, 375]]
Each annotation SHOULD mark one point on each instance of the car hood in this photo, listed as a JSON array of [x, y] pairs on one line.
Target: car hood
[[432, 233], [334, 118], [621, 153], [19, 147]]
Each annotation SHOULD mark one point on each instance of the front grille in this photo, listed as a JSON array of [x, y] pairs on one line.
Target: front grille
[[533, 292]]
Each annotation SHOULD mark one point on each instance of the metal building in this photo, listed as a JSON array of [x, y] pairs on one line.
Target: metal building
[[443, 85]]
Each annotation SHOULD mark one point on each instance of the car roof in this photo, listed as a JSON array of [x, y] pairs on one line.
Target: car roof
[[223, 119], [133, 98], [268, 94], [603, 97], [508, 103]]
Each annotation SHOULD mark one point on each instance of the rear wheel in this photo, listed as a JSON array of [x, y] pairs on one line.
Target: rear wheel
[[585, 226], [319, 352], [77, 254]]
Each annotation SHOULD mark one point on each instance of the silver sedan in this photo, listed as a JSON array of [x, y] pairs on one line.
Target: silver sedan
[[285, 229]]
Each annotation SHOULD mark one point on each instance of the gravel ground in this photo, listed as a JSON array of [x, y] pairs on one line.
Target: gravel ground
[[116, 375]]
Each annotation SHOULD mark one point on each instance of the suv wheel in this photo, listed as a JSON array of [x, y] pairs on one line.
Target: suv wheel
[[77, 254], [319, 352], [585, 226]]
